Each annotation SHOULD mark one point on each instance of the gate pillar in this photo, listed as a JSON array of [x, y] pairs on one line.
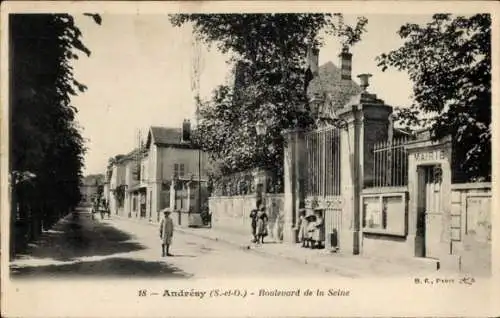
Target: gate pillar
[[366, 119], [349, 240], [294, 192]]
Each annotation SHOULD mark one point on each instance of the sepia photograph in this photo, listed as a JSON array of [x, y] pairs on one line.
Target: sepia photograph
[[177, 146]]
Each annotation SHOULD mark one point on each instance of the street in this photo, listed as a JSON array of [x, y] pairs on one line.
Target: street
[[79, 246]]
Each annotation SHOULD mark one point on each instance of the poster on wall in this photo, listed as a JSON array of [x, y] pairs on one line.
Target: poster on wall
[[373, 211], [395, 214]]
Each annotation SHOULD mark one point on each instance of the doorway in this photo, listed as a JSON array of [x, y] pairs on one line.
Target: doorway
[[429, 216]]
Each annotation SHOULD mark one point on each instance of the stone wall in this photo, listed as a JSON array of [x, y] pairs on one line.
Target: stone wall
[[232, 213], [471, 226]]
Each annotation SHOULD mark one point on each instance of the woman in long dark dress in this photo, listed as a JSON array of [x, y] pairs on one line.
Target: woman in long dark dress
[[261, 225], [253, 216]]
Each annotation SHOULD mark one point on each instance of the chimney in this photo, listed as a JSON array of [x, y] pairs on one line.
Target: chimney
[[186, 130], [313, 60], [345, 63]]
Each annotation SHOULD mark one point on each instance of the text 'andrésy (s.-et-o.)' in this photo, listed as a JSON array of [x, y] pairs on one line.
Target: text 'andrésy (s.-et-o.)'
[[215, 293]]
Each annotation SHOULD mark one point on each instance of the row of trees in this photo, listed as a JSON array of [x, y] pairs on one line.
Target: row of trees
[[448, 60], [47, 147]]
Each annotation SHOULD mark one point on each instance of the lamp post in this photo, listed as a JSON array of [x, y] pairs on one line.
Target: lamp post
[[261, 130]]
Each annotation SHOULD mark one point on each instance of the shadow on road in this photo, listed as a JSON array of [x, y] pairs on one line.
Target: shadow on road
[[181, 255], [77, 235], [107, 268]]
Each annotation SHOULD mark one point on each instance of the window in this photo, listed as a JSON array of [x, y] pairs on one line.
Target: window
[[143, 172], [179, 169], [385, 214]]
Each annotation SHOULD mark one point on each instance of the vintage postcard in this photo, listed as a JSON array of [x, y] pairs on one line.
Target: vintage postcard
[[288, 158]]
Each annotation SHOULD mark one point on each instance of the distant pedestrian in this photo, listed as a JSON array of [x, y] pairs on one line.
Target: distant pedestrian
[[101, 211], [166, 232], [205, 215], [261, 225], [95, 207], [107, 209]]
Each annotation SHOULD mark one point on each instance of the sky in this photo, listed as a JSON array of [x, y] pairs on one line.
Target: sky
[[139, 75]]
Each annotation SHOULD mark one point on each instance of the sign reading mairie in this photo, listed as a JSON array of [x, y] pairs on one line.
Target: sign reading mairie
[[433, 155]]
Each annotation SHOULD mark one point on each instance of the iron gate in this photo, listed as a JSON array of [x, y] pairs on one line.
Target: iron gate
[[323, 177]]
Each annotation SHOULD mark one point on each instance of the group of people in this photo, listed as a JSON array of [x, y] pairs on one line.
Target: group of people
[[259, 223], [311, 229], [102, 207]]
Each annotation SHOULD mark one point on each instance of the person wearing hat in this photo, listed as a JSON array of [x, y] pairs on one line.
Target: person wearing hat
[[318, 236], [261, 229], [166, 232], [253, 217], [310, 227]]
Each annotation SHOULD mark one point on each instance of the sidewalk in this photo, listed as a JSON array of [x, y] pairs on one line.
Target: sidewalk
[[345, 265]]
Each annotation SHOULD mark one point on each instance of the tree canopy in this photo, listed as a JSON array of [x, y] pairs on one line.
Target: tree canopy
[[46, 142], [269, 55], [449, 62]]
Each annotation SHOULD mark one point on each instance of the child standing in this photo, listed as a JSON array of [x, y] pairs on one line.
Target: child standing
[[166, 233], [261, 225]]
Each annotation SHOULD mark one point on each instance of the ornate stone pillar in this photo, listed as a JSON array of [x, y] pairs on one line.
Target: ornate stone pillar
[[366, 121], [349, 239]]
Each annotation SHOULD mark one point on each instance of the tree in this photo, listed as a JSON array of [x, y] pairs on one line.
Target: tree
[[449, 62], [45, 139], [268, 52]]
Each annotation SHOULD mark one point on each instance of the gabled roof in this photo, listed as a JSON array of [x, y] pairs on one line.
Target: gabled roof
[[166, 136], [328, 83]]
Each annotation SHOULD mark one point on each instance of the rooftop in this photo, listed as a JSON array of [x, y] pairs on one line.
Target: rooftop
[[166, 136], [328, 84]]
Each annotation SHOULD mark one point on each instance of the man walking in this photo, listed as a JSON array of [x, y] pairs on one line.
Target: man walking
[[166, 232]]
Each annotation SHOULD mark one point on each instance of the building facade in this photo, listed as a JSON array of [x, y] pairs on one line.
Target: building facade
[[117, 186], [167, 165], [382, 191], [171, 158], [89, 188]]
